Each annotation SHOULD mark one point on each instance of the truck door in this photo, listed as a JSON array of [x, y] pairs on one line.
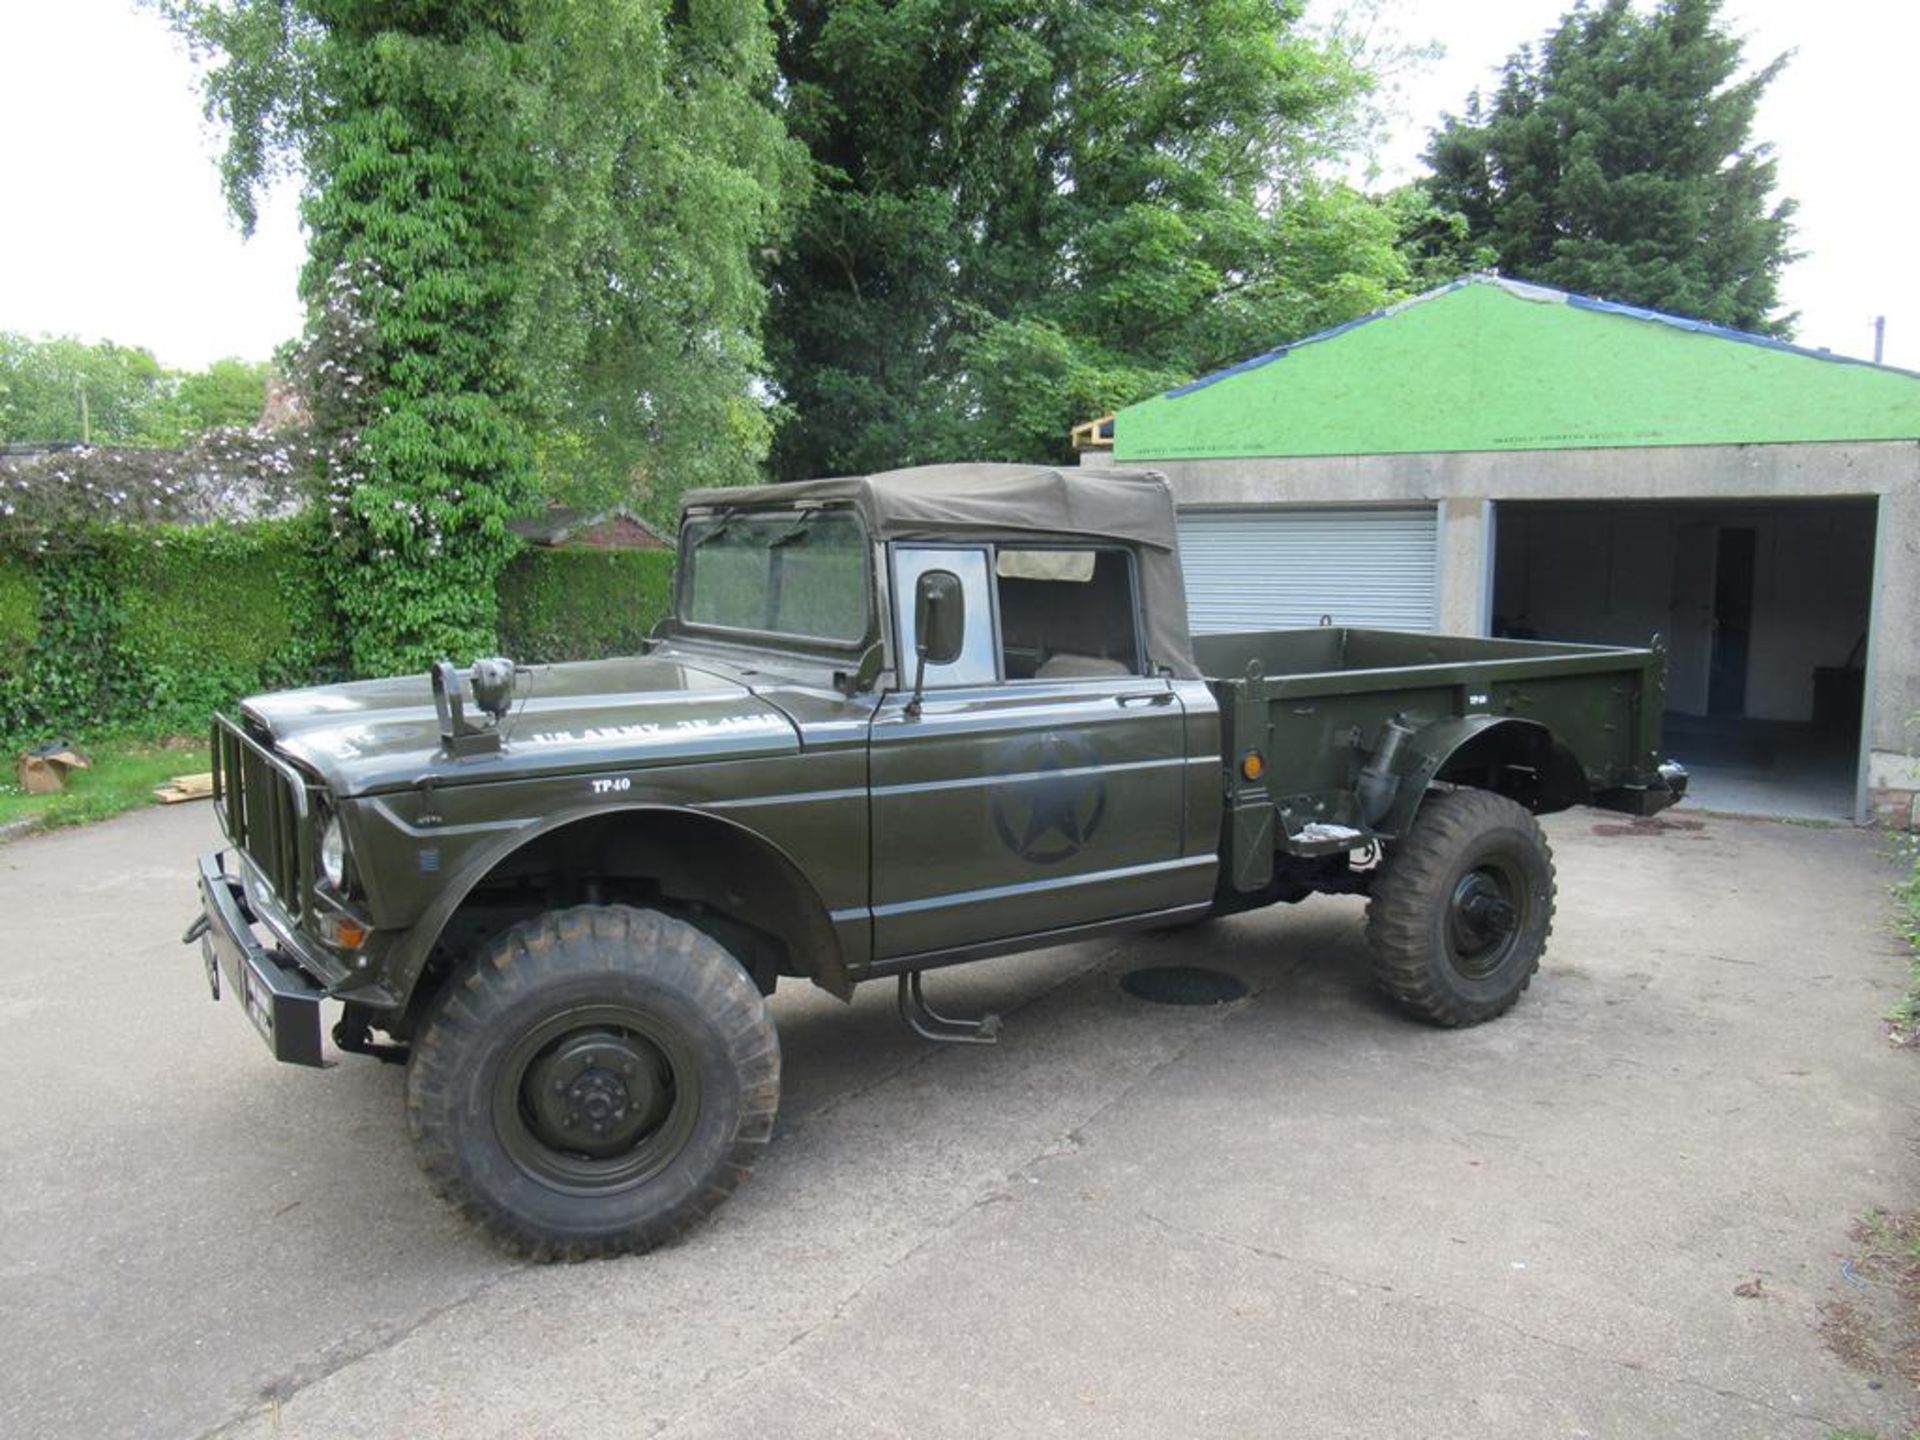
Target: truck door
[[1042, 783]]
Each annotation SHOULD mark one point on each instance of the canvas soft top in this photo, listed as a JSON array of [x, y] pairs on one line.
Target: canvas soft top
[[935, 501], [945, 502]]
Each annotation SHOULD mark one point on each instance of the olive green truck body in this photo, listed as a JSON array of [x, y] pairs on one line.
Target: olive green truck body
[[792, 773]]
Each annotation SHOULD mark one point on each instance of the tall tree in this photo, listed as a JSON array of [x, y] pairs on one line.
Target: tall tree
[[1619, 161], [407, 120], [1027, 211], [644, 289], [533, 228], [60, 389], [229, 392], [64, 390]]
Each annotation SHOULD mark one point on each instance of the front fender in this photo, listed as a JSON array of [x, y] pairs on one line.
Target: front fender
[[811, 933]]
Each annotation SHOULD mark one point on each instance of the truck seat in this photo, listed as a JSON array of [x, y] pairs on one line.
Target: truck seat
[[1066, 666]]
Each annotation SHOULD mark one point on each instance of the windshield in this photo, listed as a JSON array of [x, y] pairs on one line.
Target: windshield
[[796, 573]]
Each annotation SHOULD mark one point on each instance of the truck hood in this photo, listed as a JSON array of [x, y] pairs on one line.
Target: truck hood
[[376, 735]]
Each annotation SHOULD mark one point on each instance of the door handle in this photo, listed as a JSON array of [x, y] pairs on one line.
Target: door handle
[[1158, 697]]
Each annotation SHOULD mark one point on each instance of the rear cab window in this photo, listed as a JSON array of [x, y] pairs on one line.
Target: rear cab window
[[1067, 614]]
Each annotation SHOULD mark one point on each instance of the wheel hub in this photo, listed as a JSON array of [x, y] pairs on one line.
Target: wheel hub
[[1489, 915], [597, 1093], [1481, 920]]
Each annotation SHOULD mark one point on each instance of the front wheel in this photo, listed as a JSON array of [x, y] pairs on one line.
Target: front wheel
[[1462, 909], [596, 1081]]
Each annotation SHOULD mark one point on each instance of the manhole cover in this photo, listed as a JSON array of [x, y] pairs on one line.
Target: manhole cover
[[1181, 985]]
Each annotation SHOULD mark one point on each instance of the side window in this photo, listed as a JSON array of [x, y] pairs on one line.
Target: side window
[[1067, 614], [976, 663]]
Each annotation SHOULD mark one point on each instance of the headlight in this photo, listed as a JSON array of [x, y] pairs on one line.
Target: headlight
[[333, 854]]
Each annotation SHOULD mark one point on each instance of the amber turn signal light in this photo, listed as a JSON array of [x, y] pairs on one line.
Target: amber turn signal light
[[341, 932], [1253, 765]]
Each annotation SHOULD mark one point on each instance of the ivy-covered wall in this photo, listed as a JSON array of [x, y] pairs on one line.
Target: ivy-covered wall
[[147, 629]]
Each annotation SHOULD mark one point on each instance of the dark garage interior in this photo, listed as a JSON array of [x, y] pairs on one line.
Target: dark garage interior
[[1764, 606]]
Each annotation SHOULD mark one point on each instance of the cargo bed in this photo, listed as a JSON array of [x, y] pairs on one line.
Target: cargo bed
[[1351, 727]]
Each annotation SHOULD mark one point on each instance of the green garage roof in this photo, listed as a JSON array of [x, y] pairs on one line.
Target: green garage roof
[[1492, 364]]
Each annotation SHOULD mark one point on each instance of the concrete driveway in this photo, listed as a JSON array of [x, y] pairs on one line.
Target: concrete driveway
[[1296, 1215]]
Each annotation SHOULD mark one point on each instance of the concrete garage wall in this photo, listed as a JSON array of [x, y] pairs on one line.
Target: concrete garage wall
[[1464, 484], [1607, 574]]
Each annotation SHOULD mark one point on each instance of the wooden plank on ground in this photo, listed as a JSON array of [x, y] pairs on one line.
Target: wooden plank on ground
[[185, 787]]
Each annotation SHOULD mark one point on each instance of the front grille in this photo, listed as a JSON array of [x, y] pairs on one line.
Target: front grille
[[262, 802]]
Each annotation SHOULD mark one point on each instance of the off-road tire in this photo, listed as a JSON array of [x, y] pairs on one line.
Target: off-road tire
[[1414, 915], [619, 990]]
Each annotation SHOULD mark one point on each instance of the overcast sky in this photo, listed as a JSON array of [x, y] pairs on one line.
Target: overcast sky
[[112, 226]]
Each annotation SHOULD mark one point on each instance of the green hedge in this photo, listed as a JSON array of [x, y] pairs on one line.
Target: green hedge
[[582, 604], [214, 613], [19, 611], [149, 628], [146, 629]]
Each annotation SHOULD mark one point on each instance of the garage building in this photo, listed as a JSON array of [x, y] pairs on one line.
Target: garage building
[[1501, 458]]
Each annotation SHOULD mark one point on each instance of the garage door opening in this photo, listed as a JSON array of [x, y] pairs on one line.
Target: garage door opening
[[1764, 608]]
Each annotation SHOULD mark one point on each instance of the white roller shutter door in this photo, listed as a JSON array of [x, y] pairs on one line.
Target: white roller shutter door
[[1266, 569]]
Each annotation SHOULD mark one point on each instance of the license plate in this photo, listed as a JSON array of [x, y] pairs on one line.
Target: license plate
[[281, 1001], [255, 996]]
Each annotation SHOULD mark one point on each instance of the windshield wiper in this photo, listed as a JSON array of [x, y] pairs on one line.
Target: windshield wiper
[[720, 526], [799, 530]]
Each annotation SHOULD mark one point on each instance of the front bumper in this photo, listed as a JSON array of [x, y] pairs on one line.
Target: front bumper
[[281, 1000]]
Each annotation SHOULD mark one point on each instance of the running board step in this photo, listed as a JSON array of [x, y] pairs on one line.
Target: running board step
[[930, 1024]]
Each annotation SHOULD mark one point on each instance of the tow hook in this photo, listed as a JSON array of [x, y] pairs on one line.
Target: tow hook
[[354, 1034]]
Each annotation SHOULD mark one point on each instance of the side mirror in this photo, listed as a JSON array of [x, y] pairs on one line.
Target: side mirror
[[939, 626], [939, 617]]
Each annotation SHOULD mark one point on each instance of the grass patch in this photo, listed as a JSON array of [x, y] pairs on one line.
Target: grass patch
[[1888, 1236], [1873, 1327], [122, 778], [1904, 1018], [1887, 1243]]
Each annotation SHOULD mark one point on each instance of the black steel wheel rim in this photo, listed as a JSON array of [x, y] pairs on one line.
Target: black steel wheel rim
[[1484, 918], [596, 1099]]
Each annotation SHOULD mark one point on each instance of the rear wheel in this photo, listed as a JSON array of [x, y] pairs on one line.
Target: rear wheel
[[597, 1080], [1462, 909]]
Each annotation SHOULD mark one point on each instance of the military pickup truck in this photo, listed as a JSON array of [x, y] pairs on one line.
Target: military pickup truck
[[893, 723]]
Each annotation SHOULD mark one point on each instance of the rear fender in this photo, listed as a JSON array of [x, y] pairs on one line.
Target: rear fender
[[1516, 758]]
